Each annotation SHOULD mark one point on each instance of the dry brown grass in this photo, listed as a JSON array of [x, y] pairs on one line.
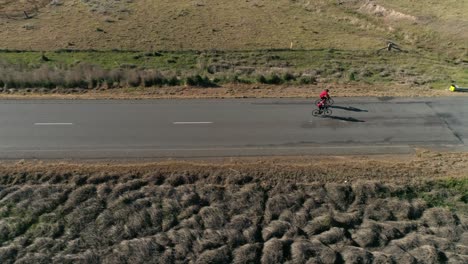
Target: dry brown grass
[[199, 211], [231, 91], [204, 25]]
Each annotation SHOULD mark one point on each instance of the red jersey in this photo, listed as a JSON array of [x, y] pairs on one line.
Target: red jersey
[[323, 94], [321, 104]]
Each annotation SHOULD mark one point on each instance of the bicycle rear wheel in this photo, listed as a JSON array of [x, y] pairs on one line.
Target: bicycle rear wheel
[[316, 112], [327, 112]]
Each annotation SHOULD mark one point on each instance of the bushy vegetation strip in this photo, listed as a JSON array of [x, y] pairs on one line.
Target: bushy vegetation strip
[[264, 211], [116, 69], [203, 218]]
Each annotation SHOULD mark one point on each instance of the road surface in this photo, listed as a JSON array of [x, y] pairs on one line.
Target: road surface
[[48, 129]]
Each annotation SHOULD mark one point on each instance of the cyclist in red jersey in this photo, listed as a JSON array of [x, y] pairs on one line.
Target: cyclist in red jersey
[[321, 105], [324, 95]]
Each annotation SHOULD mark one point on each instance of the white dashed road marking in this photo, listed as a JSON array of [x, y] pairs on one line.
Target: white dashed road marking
[[53, 124], [192, 123]]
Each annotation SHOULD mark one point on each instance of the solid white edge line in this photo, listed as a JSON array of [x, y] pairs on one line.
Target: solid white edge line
[[53, 124], [191, 123]]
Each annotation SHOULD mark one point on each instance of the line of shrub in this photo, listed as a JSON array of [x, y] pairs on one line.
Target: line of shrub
[[89, 76]]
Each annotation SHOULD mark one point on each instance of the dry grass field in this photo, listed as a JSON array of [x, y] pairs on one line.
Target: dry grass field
[[225, 25], [104, 44], [383, 209]]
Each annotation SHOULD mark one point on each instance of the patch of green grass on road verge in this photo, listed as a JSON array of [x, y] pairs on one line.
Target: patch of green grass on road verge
[[255, 66]]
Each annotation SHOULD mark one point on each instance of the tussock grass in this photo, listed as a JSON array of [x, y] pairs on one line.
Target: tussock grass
[[122, 216]]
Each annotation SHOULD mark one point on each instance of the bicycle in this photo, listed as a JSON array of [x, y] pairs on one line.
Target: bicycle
[[324, 112], [329, 101]]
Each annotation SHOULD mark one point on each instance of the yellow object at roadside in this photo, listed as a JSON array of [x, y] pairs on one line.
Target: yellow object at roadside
[[453, 88]]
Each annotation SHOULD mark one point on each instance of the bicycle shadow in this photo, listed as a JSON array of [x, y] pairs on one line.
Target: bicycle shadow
[[347, 119], [348, 108]]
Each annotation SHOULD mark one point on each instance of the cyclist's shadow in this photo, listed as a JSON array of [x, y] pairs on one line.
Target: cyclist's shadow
[[348, 108], [347, 119]]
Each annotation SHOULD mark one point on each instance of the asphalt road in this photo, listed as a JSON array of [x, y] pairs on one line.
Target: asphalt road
[[208, 128]]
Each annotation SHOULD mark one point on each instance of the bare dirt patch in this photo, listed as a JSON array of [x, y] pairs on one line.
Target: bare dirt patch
[[231, 91]]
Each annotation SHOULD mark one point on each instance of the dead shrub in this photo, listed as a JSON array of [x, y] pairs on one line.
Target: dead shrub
[[318, 225], [80, 195], [303, 251], [137, 223], [406, 243], [272, 251], [417, 209], [194, 222], [348, 219], [215, 256], [428, 254], [188, 212], [388, 231], [19, 194], [248, 199], [301, 218], [175, 180], [89, 256], [190, 198], [82, 216], [170, 209], [36, 258], [239, 179], [184, 237], [168, 257], [249, 253], [212, 217], [399, 254], [332, 236], [287, 216], [140, 250], [276, 205], [367, 235], [252, 234], [8, 254], [42, 244], [356, 255], [276, 229], [103, 178], [155, 178], [382, 258], [365, 191], [342, 196], [379, 210], [234, 238], [438, 217], [239, 222], [50, 230], [122, 188], [211, 239]]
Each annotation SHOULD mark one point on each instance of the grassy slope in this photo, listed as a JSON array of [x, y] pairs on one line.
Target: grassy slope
[[434, 34], [245, 211], [202, 24]]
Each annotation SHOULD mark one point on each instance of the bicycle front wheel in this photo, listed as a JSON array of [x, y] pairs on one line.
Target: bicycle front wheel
[[327, 112], [330, 101], [316, 112]]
